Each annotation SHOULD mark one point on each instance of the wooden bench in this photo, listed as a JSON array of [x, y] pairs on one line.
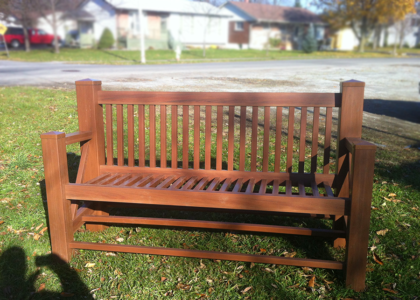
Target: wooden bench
[[120, 165]]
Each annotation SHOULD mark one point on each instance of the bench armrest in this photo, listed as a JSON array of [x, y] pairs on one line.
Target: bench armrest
[[354, 144], [71, 138]]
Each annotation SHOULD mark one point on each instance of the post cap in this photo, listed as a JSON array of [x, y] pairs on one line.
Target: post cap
[[88, 81], [53, 135], [352, 83]]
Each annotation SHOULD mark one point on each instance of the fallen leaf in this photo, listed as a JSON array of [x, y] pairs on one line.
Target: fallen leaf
[[389, 290], [119, 240], [39, 226], [274, 286], [292, 254], [1, 222], [377, 259], [311, 283], [41, 287], [89, 265], [246, 289], [268, 270], [202, 266], [77, 270], [392, 195], [240, 268], [306, 269], [43, 230], [169, 293], [184, 287], [36, 237], [102, 279], [263, 250], [294, 286], [162, 279], [382, 232], [387, 199], [110, 254]]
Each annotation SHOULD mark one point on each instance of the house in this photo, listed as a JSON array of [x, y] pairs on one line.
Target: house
[[165, 22], [254, 24]]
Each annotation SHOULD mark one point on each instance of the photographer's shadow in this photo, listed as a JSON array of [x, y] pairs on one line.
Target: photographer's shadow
[[15, 283]]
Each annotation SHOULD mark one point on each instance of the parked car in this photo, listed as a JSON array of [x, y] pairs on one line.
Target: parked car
[[15, 38]]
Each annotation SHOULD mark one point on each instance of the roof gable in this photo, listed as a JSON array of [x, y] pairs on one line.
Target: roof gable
[[275, 13]]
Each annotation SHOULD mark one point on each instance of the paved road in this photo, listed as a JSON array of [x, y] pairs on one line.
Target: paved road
[[394, 79]]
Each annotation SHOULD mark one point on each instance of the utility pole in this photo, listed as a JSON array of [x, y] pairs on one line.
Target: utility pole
[[141, 24]]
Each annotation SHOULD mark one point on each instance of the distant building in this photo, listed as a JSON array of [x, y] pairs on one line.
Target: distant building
[[253, 24]]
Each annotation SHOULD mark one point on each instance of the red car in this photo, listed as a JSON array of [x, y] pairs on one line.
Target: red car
[[15, 38]]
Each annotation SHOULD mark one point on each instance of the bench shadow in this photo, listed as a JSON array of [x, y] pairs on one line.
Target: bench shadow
[[16, 284], [403, 110]]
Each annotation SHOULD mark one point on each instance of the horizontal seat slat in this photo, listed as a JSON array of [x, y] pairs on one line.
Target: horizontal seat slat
[[300, 262], [214, 225], [295, 178], [220, 98], [226, 200]]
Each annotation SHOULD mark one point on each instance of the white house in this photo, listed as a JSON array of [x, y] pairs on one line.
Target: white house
[[165, 22]]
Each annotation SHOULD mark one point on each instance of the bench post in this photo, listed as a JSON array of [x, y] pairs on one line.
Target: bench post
[[350, 119], [91, 119], [56, 177], [363, 161]]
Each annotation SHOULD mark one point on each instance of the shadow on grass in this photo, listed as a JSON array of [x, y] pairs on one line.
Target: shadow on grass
[[14, 283], [403, 110], [119, 56]]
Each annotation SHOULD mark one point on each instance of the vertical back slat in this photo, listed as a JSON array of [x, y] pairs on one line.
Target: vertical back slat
[[290, 139], [327, 141], [130, 133], [231, 133], [174, 138], [208, 138], [109, 136], [302, 140], [278, 139], [242, 139], [152, 132], [315, 131], [196, 137], [266, 138], [185, 135], [163, 150], [142, 136], [219, 139], [120, 135], [254, 141]]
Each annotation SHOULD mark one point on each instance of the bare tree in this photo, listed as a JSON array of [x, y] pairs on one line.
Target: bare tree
[[402, 29], [21, 10]]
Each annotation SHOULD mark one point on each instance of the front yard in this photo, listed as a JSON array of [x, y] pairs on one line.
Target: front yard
[[119, 57]]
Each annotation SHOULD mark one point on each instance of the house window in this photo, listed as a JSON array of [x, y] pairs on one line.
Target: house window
[[239, 26]]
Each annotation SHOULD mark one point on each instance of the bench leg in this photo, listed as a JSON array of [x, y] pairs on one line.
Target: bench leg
[[56, 177], [99, 210], [359, 219]]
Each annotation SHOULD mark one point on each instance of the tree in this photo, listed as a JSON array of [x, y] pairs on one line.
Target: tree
[[363, 15], [107, 39], [21, 10], [309, 43]]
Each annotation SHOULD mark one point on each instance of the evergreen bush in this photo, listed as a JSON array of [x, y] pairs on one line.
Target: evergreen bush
[[309, 43], [107, 39]]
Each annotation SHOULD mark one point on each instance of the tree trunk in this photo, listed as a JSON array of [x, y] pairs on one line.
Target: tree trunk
[[54, 26], [27, 42]]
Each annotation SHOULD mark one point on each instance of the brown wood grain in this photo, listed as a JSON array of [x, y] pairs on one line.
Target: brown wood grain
[[290, 130], [109, 136], [277, 155], [208, 139], [152, 133], [302, 139], [231, 137], [254, 141], [120, 135], [78, 136], [197, 137], [142, 137], [315, 132], [242, 139], [163, 150], [130, 134], [174, 136], [327, 140], [217, 98], [219, 138], [185, 136], [266, 140]]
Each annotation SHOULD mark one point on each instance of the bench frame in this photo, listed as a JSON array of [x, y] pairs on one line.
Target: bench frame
[[353, 181]]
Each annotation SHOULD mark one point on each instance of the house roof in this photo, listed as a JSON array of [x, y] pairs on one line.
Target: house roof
[[170, 6], [275, 13]]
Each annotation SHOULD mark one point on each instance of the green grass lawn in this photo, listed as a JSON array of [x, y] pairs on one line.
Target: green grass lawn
[[168, 56], [26, 269]]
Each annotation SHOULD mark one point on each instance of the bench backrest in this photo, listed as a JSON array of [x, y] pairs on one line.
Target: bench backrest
[[221, 131]]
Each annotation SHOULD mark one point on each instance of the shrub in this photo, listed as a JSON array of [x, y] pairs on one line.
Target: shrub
[[274, 42], [309, 43], [107, 39]]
